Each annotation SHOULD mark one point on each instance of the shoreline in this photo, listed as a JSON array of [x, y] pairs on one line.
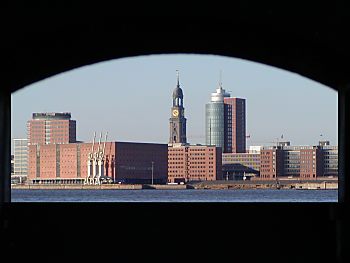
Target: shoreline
[[210, 185]]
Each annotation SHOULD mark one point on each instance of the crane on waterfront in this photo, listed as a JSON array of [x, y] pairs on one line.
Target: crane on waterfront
[[95, 163], [90, 163]]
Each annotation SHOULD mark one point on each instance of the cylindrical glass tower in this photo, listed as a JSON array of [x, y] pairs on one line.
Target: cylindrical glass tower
[[214, 124], [215, 119]]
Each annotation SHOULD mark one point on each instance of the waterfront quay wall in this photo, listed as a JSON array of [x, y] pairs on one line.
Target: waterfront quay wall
[[102, 186], [168, 187], [322, 185], [215, 185], [79, 186]]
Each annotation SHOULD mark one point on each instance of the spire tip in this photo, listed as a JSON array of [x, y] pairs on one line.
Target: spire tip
[[178, 77]]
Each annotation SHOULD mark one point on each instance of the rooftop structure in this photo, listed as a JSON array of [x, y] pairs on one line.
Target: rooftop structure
[[51, 128], [52, 116]]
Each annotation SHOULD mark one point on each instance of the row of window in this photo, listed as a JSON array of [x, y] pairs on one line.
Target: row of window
[[195, 150], [308, 175], [177, 167], [190, 154], [197, 158], [200, 175], [199, 166], [331, 157], [262, 166], [190, 162], [241, 160]]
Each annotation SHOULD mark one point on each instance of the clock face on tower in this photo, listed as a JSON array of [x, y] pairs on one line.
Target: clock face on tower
[[175, 113]]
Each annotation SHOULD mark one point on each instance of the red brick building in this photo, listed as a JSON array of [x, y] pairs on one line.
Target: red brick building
[[271, 163], [51, 128], [194, 163], [311, 163], [302, 162], [235, 125], [124, 161]]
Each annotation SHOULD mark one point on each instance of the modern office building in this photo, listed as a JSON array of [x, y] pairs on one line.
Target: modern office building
[[51, 128], [330, 159], [271, 162], [194, 163], [215, 119], [302, 162], [235, 125], [123, 162], [225, 122], [237, 165], [20, 164], [177, 122]]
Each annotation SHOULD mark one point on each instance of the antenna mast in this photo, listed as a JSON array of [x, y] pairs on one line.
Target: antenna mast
[[178, 77], [220, 81]]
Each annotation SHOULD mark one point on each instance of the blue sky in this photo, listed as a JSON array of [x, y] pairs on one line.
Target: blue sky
[[131, 99]]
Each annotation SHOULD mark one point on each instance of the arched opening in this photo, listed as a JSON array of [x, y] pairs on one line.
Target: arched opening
[[131, 99]]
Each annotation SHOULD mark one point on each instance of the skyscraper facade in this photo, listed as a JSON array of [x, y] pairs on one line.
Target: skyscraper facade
[[215, 119], [235, 126], [225, 122], [177, 121], [51, 128]]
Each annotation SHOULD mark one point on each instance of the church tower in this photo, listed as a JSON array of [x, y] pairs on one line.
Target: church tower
[[177, 120]]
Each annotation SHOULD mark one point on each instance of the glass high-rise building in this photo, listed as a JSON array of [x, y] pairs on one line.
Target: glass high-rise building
[[225, 122]]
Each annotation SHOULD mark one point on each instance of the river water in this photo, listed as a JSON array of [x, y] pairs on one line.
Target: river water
[[189, 195]]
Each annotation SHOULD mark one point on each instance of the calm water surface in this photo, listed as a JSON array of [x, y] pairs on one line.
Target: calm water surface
[[259, 195]]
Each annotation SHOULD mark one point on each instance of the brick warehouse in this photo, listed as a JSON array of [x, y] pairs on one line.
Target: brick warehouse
[[124, 161], [194, 163]]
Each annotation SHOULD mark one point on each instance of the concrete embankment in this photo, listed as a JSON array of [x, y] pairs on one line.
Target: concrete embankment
[[311, 186], [103, 186], [215, 185], [79, 187], [323, 185], [168, 187]]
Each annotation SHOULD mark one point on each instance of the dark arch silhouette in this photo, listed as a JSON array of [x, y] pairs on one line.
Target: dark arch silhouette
[[41, 41]]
